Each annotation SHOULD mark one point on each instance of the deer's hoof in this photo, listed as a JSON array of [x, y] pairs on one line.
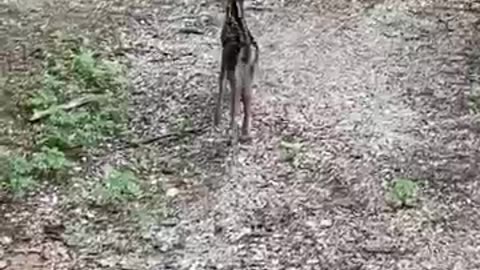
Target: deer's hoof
[[245, 138]]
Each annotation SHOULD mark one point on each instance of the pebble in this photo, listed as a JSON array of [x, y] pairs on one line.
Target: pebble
[[3, 264], [326, 223], [172, 192], [6, 240]]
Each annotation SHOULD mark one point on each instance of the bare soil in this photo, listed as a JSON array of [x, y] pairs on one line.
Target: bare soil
[[363, 92]]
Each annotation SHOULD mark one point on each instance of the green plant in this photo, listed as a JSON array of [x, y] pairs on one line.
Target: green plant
[[47, 96], [290, 151], [21, 172], [73, 71], [84, 66], [183, 123], [120, 186], [80, 129], [473, 99], [49, 160], [403, 192], [78, 100], [98, 74], [20, 184], [19, 178]]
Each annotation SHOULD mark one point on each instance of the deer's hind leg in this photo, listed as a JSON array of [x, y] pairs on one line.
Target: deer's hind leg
[[222, 81], [235, 84], [227, 66]]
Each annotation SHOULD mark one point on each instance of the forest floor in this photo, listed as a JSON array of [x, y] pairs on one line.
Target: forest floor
[[350, 99]]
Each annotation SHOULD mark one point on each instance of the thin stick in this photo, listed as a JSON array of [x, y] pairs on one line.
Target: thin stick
[[169, 135], [68, 106]]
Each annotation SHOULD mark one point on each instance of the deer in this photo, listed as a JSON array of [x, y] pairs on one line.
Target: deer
[[239, 61]]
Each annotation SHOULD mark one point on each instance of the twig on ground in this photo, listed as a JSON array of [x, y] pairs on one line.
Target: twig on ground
[[191, 30], [68, 106], [258, 8], [170, 135]]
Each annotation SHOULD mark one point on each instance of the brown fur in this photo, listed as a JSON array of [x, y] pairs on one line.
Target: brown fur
[[239, 60]]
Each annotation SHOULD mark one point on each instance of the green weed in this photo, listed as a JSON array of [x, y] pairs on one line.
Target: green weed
[[47, 97], [22, 173], [473, 99], [120, 186], [182, 124], [100, 75], [403, 193], [50, 160], [81, 129], [69, 72], [19, 178], [291, 152]]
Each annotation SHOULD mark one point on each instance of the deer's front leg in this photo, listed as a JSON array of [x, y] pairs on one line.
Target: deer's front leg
[[235, 97], [248, 72]]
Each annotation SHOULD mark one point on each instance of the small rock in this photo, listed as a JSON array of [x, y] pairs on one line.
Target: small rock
[[107, 262], [172, 192], [6, 240], [310, 223], [326, 223], [164, 247], [458, 265], [3, 264]]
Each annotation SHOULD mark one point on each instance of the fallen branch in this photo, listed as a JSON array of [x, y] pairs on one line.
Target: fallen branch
[[171, 135], [191, 30], [68, 106], [259, 8]]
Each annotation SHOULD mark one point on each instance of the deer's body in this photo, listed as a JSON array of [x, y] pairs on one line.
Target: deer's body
[[239, 60]]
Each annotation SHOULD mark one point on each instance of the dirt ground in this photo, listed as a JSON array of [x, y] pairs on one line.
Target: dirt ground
[[365, 92]]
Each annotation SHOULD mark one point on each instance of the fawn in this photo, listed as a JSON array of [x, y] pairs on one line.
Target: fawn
[[239, 60]]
